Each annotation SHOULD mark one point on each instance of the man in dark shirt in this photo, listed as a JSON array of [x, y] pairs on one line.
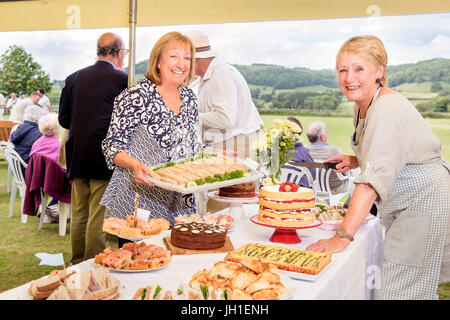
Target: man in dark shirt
[[86, 106]]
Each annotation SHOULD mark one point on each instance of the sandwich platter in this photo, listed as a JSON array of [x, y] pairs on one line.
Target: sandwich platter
[[187, 172], [254, 175], [25, 295]]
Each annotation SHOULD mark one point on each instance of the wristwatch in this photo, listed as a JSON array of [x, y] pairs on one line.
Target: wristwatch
[[342, 233]]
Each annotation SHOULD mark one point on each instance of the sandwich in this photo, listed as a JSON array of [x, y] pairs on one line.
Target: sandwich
[[78, 284], [61, 293], [44, 287], [152, 293], [103, 286]]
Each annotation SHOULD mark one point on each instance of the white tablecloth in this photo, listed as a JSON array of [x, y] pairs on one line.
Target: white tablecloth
[[349, 276]]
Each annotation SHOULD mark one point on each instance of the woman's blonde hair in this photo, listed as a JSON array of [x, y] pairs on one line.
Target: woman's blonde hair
[[49, 125], [370, 48], [165, 42]]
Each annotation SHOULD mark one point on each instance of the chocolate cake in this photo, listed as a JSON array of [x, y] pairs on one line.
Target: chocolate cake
[[242, 190], [198, 236]]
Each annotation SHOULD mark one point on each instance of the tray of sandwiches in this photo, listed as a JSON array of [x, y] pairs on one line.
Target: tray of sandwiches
[[203, 172], [295, 263], [134, 229], [133, 257], [71, 284]]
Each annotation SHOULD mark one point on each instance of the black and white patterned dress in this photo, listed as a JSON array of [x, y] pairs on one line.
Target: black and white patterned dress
[[144, 127]]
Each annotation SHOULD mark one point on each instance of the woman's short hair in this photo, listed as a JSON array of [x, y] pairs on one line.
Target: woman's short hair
[[167, 41], [49, 125], [33, 113], [296, 121], [370, 48]]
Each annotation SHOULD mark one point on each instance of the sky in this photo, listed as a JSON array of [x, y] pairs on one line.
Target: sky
[[310, 44]]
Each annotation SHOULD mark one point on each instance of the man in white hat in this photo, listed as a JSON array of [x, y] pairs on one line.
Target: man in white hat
[[228, 116]]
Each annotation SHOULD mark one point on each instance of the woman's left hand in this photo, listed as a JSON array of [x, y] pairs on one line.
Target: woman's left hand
[[332, 245]]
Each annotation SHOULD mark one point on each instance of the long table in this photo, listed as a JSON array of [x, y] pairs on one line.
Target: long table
[[351, 274]]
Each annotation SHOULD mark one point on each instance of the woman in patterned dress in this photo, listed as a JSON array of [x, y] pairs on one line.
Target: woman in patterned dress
[[154, 121], [402, 171]]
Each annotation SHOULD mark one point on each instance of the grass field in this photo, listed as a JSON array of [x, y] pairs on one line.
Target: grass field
[[341, 129]]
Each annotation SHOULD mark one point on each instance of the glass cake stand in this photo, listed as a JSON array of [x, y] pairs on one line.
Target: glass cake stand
[[285, 234], [236, 204]]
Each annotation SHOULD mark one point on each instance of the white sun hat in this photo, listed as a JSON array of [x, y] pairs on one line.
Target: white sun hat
[[201, 44]]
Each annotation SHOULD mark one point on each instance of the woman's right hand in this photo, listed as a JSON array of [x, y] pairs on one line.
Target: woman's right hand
[[345, 163], [141, 171]]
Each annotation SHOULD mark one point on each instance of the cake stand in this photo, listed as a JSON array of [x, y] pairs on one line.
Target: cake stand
[[285, 234], [236, 204]]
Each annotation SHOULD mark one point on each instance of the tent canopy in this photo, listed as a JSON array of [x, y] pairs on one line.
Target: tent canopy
[[88, 14]]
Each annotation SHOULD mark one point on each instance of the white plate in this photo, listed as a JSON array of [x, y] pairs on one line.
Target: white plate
[[288, 293], [334, 225], [133, 238], [305, 276], [96, 265], [215, 195], [25, 295]]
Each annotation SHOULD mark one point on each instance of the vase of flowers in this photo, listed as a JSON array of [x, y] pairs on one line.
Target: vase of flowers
[[276, 147]]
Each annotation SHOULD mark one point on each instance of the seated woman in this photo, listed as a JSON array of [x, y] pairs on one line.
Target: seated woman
[[28, 132], [302, 155], [154, 121], [48, 143]]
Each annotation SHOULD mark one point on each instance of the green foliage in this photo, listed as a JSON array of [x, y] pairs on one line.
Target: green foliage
[[438, 104], [434, 70], [307, 100], [280, 77], [436, 87], [19, 72]]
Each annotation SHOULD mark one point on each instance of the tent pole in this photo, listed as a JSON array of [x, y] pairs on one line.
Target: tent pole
[[132, 42]]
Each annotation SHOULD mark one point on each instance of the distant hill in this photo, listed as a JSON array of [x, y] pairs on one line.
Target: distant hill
[[279, 77]]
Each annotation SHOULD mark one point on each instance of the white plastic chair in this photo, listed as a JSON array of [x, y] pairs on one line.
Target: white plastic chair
[[16, 163], [294, 174], [4, 144], [322, 187]]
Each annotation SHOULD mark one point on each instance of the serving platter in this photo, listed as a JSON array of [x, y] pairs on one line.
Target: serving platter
[[288, 293], [137, 238], [254, 175], [334, 225], [96, 265], [305, 276], [215, 195]]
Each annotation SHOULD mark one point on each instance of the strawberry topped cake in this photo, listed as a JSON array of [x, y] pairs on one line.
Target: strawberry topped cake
[[286, 204]]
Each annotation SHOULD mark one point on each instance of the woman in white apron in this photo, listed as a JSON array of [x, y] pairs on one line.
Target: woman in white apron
[[401, 170]]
